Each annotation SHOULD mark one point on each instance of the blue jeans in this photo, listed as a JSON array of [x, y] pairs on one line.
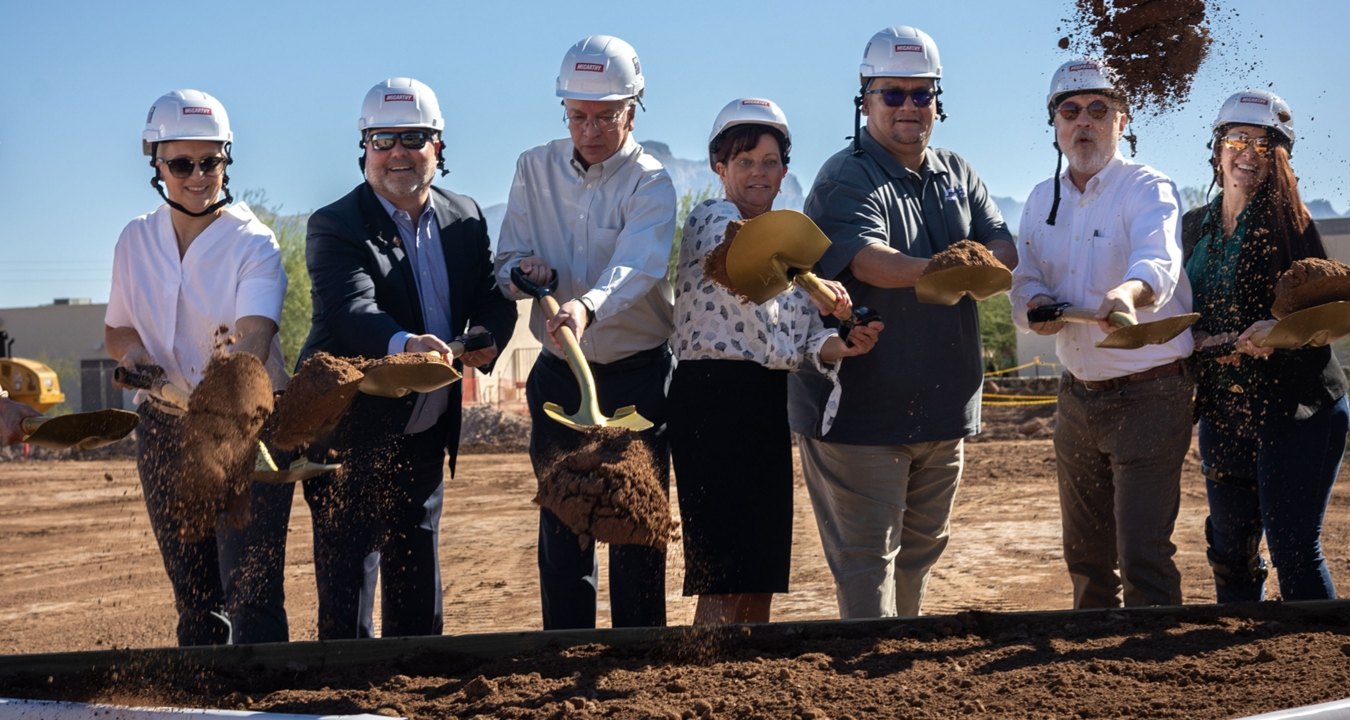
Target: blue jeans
[[1275, 480]]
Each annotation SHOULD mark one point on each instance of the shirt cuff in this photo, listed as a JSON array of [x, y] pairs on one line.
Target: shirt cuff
[[398, 342]]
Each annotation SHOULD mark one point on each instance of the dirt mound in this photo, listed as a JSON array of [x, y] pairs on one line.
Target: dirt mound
[[487, 429], [608, 489], [225, 416], [1310, 282], [962, 253], [715, 262], [315, 400], [1153, 47]]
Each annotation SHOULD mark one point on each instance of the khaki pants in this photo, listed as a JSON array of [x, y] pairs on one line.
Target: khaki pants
[[1118, 456], [883, 513]]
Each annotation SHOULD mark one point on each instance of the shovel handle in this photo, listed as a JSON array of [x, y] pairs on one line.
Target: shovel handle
[[1069, 313], [30, 425], [151, 378], [808, 282], [470, 343], [575, 358]]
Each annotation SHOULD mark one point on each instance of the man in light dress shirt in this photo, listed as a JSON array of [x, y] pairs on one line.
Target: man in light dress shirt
[[600, 211], [1105, 235]]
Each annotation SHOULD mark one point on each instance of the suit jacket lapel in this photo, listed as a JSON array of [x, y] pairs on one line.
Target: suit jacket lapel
[[447, 223], [384, 236]]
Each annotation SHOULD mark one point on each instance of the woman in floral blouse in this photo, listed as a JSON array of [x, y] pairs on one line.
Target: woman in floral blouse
[[728, 424]]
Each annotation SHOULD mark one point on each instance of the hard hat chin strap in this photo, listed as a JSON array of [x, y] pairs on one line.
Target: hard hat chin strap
[[1059, 167], [224, 185]]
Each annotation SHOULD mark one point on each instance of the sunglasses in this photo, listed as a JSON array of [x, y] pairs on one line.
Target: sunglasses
[[183, 168], [410, 139], [895, 97], [1070, 110], [1237, 142]]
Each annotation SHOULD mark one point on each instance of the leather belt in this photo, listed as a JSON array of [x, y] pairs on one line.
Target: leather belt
[[1172, 369]]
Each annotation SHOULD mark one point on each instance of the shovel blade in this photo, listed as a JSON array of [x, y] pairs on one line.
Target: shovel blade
[[948, 286], [1316, 326], [767, 247], [1155, 332], [397, 380], [84, 431], [293, 474], [626, 417]]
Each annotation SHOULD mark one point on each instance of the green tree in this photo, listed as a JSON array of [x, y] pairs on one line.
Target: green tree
[[998, 335], [296, 309], [688, 201]]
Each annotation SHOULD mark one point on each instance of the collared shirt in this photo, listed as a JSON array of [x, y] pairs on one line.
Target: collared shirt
[[1124, 225], [422, 243], [608, 231], [922, 380], [231, 270]]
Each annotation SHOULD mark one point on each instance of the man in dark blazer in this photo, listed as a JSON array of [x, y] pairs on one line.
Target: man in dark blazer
[[397, 266]]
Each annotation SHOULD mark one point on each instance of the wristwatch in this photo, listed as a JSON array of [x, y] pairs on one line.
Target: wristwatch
[[590, 309]]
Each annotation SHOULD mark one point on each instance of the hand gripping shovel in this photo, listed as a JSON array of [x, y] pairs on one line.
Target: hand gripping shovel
[[151, 379], [83, 431], [588, 414], [1128, 334], [1310, 327], [395, 379], [775, 250]]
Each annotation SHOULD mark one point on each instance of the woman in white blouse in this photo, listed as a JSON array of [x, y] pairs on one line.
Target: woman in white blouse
[[728, 426], [185, 276]]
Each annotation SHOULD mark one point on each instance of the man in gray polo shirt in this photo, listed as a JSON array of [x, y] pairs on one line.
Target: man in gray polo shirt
[[883, 480]]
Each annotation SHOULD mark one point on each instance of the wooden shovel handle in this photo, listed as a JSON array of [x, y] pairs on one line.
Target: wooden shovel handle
[[30, 425], [1084, 315], [575, 358]]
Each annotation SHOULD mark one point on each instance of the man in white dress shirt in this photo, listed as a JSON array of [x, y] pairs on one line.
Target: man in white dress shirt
[[1105, 236], [600, 211]]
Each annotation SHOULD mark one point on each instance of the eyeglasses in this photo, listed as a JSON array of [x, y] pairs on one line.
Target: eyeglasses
[[605, 122], [183, 168], [1237, 142], [895, 97], [769, 165], [1070, 110], [410, 139]]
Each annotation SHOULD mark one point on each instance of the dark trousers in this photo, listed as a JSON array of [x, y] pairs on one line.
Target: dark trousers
[[228, 586], [568, 573], [1118, 459], [379, 518], [1273, 478]]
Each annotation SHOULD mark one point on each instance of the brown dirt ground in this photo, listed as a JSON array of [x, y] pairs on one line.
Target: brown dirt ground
[[83, 573]]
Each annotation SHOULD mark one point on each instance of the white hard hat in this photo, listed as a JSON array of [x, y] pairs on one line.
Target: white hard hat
[[1257, 107], [600, 67], [1080, 75], [400, 102], [185, 115], [901, 51], [748, 111]]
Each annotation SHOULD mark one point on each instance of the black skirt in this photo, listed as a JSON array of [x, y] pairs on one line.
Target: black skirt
[[732, 454]]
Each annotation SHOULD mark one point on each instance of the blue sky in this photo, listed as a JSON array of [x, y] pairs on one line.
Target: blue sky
[[79, 77]]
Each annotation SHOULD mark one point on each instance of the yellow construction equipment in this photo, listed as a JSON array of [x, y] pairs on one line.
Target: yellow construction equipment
[[31, 383]]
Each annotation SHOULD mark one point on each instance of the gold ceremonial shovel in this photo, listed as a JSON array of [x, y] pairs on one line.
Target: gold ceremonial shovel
[[393, 379], [84, 431], [948, 286], [1315, 326], [588, 414], [776, 250], [1128, 335]]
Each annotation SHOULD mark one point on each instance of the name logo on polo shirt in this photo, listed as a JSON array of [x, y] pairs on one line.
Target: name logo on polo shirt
[[399, 97], [954, 194], [590, 67], [192, 110]]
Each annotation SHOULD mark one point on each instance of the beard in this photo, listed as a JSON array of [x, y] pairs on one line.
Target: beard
[[1089, 159]]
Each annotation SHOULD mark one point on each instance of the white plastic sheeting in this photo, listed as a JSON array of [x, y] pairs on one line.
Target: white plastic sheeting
[[14, 709], [1336, 710]]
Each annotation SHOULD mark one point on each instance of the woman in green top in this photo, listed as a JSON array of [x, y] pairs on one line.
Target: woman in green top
[[1272, 422]]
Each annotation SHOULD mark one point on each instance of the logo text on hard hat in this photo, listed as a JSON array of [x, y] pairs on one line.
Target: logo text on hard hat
[[590, 67], [399, 97], [1254, 100], [196, 110], [765, 103], [1083, 66], [908, 47]]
